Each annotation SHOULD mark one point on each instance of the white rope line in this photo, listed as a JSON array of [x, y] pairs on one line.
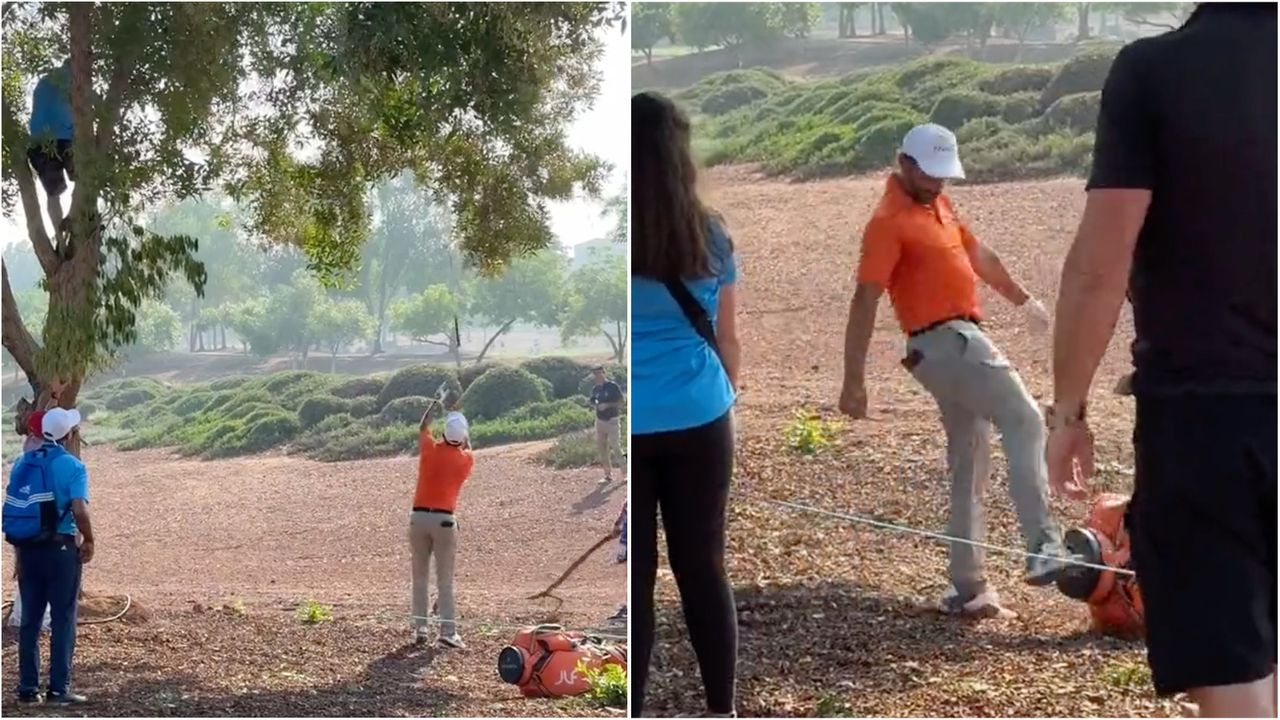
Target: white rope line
[[438, 620], [934, 535]]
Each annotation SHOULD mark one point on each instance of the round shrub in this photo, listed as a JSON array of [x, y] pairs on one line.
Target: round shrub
[[1078, 112], [191, 404], [358, 387], [879, 145], [469, 373], [228, 383], [979, 129], [281, 382], [501, 390], [1086, 72], [130, 398], [564, 373], [1017, 79], [363, 407], [404, 410], [420, 381], [1020, 108], [317, 408], [261, 435], [959, 107], [726, 99]]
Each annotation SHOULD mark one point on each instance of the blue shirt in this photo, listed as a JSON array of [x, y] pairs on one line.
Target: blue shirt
[[51, 107], [70, 482], [678, 382]]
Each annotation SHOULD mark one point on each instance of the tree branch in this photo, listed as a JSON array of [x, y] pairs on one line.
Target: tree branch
[[16, 338], [80, 30], [49, 260]]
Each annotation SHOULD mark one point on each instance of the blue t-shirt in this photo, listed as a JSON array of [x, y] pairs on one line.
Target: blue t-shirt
[[677, 381], [70, 482], [51, 107]]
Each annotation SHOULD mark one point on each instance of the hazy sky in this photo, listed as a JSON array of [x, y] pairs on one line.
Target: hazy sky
[[595, 131]]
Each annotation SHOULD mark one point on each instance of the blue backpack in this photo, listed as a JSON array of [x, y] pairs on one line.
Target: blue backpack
[[30, 511]]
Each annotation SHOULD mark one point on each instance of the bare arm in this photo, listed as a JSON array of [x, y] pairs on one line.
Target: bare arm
[[987, 264], [426, 417], [857, 334], [80, 511], [1094, 279], [727, 332]]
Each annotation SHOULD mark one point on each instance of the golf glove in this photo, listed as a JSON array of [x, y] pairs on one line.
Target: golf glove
[[1037, 317]]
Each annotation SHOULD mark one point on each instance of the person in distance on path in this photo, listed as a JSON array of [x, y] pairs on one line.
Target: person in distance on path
[[606, 398], [1181, 209], [443, 467], [917, 248]]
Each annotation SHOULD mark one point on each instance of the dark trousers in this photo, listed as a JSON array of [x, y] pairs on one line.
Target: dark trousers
[[686, 475], [48, 575], [1203, 526]]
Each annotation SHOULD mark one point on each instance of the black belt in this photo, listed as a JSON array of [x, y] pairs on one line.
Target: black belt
[[432, 510], [940, 323]]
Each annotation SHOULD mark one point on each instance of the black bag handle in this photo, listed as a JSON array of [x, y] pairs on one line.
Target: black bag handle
[[694, 311]]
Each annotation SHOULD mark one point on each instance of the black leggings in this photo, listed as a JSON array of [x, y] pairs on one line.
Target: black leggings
[[686, 473]]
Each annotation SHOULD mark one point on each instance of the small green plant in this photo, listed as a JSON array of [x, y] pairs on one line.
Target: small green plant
[[606, 685], [832, 706], [313, 613], [808, 433], [1127, 675]]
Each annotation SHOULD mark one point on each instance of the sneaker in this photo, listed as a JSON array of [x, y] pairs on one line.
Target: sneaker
[[65, 698], [453, 641], [421, 636], [29, 698], [620, 615], [1047, 564], [985, 604], [606, 480]]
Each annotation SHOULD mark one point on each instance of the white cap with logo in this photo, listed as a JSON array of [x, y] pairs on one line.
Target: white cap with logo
[[455, 428], [934, 149], [57, 422]]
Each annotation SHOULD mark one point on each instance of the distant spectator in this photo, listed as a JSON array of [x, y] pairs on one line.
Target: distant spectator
[[606, 398]]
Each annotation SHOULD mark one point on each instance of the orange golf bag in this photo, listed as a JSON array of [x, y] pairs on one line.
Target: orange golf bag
[[1115, 603], [543, 661]]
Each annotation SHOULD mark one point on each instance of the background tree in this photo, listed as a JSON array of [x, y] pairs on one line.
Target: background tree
[[616, 208], [529, 291], [474, 97], [1020, 18], [797, 19], [339, 323], [651, 22], [248, 318], [597, 304], [159, 327], [847, 26], [427, 315], [729, 25]]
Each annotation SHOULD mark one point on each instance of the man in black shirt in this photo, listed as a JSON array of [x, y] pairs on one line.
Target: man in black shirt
[[1182, 209], [606, 398]]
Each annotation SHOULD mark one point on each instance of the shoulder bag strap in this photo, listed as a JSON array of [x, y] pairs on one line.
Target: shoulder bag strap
[[694, 311]]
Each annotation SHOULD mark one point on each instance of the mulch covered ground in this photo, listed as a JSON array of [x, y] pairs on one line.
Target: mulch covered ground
[[835, 618], [218, 556]]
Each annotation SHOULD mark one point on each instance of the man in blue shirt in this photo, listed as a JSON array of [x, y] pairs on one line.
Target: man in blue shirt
[[606, 398], [49, 573], [51, 133]]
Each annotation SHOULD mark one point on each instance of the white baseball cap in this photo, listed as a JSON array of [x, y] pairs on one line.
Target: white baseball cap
[[455, 428], [934, 149], [58, 422]]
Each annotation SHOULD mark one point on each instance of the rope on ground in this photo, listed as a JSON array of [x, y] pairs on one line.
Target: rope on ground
[[933, 535], [128, 603], [548, 593]]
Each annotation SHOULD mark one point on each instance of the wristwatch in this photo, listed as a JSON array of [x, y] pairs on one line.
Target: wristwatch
[[1056, 418]]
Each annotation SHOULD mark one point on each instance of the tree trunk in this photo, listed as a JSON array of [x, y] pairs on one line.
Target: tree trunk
[[1082, 27], [877, 19], [333, 362], [489, 343], [648, 56]]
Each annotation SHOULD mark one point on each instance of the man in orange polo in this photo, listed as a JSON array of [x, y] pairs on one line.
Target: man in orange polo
[[433, 529], [919, 250]]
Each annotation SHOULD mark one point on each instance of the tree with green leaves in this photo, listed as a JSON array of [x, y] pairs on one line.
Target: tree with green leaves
[[651, 23], [1020, 18], [339, 323], [616, 209], [529, 291], [707, 25], [797, 19], [409, 247], [248, 318], [473, 97], [597, 304], [846, 22], [159, 327], [427, 315]]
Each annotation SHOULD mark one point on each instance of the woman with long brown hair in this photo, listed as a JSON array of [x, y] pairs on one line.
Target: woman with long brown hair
[[684, 374]]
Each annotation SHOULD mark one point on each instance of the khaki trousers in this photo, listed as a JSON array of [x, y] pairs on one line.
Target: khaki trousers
[[608, 437], [435, 535]]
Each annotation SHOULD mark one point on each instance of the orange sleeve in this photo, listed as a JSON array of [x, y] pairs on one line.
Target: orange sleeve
[[426, 441], [881, 248]]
